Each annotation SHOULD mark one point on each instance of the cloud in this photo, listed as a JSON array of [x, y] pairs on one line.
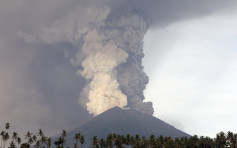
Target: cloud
[[194, 80], [37, 82]]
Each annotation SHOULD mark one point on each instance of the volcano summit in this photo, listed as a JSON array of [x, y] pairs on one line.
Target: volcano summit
[[123, 122]]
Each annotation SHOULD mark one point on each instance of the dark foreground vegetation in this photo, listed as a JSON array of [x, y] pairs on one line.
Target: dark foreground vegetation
[[39, 140]]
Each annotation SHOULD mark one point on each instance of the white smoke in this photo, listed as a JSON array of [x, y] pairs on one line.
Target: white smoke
[[99, 69]]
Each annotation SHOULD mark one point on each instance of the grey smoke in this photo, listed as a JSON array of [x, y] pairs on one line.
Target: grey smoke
[[109, 56], [38, 74]]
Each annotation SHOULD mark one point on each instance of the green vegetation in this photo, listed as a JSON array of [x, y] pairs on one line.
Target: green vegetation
[[39, 140]]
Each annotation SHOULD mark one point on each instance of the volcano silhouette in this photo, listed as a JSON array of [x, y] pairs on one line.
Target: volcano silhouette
[[123, 122]]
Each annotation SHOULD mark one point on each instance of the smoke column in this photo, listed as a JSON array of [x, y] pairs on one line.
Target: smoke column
[[109, 56], [112, 65], [108, 39]]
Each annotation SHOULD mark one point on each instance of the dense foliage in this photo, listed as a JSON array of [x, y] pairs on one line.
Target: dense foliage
[[39, 140]]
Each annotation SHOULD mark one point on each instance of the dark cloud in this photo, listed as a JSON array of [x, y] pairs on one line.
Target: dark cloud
[[38, 85]]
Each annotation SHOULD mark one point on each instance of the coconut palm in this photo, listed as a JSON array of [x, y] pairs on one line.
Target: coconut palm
[[162, 140], [29, 138], [64, 134], [231, 139], [12, 145], [102, 143], [128, 139], [14, 136], [2, 134], [59, 142], [109, 141], [137, 141], [14, 139], [48, 142], [5, 138], [220, 140], [78, 138], [118, 141], [177, 143], [40, 133], [95, 142], [143, 142], [34, 138], [169, 143], [28, 135], [151, 141], [7, 126], [25, 145], [18, 141]]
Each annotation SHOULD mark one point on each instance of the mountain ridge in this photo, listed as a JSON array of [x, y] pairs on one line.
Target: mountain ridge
[[123, 122]]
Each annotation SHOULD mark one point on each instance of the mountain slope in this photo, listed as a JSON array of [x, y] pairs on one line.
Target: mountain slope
[[119, 121]]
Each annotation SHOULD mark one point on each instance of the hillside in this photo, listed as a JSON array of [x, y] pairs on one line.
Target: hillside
[[123, 122]]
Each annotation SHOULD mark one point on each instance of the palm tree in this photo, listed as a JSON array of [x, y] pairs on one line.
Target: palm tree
[[177, 143], [109, 141], [40, 132], [220, 140], [48, 142], [2, 134], [162, 140], [209, 142], [144, 142], [29, 138], [193, 141], [78, 137], [7, 126], [43, 140], [25, 145], [117, 141], [12, 145], [128, 139], [102, 143], [34, 139], [5, 137], [137, 140], [14, 136], [64, 134], [95, 142], [232, 139], [14, 139], [18, 141], [169, 143], [59, 143], [151, 141], [30, 141], [37, 144], [28, 135]]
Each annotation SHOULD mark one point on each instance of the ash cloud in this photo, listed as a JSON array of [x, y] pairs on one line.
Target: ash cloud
[[109, 56], [52, 51]]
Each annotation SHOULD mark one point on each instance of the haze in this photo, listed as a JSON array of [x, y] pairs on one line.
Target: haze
[[50, 76]]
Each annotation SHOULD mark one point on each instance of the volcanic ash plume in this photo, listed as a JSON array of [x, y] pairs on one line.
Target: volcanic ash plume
[[102, 57], [113, 65], [109, 56]]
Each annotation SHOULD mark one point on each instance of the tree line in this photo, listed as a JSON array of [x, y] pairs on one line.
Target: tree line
[[39, 140]]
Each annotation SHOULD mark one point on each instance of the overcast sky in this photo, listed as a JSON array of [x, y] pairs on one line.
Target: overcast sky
[[193, 74], [190, 58]]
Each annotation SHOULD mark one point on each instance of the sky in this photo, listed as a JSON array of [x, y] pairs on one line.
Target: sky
[[189, 58], [193, 74]]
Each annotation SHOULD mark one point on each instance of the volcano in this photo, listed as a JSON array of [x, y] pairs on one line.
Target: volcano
[[123, 122]]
